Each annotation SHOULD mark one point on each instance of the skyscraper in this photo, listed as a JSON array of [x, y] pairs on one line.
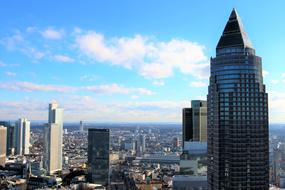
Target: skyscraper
[[53, 139], [3, 134], [194, 121], [237, 114], [10, 145], [187, 125], [22, 136], [81, 127], [98, 156]]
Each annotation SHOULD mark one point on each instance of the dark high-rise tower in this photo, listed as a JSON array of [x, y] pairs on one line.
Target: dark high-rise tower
[[194, 121], [99, 156], [237, 114]]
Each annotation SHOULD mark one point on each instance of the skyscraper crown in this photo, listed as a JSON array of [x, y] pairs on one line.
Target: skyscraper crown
[[234, 34]]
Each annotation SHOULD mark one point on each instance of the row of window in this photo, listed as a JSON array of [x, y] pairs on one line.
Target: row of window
[[243, 118], [244, 113], [226, 104], [241, 94], [237, 76], [233, 99], [226, 67], [231, 72]]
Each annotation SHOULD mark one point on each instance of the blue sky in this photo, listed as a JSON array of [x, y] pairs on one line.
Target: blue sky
[[126, 61]]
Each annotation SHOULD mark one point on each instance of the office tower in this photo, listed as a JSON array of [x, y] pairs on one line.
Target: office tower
[[237, 114], [10, 144], [142, 143], [98, 156], [3, 135], [194, 121], [187, 125], [22, 137], [81, 127], [53, 139]]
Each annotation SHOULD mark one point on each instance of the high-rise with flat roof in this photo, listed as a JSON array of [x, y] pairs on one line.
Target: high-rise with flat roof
[[22, 137], [53, 139], [237, 114], [3, 135], [11, 130], [194, 121], [99, 156], [81, 126]]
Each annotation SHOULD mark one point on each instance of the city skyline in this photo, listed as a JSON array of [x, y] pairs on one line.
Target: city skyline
[[85, 59]]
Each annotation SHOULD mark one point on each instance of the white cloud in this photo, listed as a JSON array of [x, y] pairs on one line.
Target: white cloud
[[148, 111], [89, 78], [52, 34], [31, 29], [119, 51], [158, 83], [104, 89], [63, 58], [276, 107], [18, 43], [10, 74], [265, 73], [115, 88], [134, 97], [29, 87], [13, 41], [283, 75], [33, 52], [151, 58], [274, 82], [156, 70], [198, 84]]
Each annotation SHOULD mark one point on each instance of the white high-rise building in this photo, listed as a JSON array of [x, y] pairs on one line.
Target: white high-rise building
[[81, 127], [53, 139], [22, 143]]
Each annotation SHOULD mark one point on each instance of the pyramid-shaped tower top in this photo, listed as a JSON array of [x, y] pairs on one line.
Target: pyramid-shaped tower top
[[234, 34]]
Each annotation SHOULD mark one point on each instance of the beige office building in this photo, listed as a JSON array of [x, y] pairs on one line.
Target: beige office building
[[3, 136], [53, 140]]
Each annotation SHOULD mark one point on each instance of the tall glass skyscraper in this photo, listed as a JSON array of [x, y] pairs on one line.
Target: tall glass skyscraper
[[237, 114], [99, 156]]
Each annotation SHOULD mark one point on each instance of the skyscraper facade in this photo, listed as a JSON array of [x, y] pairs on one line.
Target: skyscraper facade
[[10, 144], [3, 135], [194, 121], [99, 156], [187, 125], [22, 137], [237, 114], [53, 139], [81, 127]]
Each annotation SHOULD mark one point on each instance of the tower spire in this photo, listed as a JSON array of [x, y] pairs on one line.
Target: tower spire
[[234, 34]]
